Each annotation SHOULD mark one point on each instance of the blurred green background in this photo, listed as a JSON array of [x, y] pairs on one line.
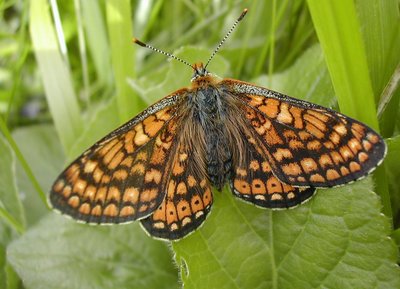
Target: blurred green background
[[69, 75]]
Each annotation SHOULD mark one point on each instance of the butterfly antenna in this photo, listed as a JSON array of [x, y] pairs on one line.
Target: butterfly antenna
[[226, 36], [137, 41]]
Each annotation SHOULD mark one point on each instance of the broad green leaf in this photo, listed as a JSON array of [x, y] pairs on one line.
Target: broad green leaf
[[11, 213], [11, 210], [43, 152], [60, 253], [336, 240]]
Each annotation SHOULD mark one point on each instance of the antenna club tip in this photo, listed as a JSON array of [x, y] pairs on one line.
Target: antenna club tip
[[243, 14], [137, 41]]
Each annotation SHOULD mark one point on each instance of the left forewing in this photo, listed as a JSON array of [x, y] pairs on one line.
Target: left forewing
[[122, 177]]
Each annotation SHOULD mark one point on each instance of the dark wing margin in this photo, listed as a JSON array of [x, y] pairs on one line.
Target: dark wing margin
[[306, 144], [121, 178]]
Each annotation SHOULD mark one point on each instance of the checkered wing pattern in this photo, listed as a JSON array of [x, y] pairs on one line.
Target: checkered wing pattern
[[188, 199], [254, 182], [306, 144], [123, 176]]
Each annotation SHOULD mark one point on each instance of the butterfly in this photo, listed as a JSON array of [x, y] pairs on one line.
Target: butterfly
[[161, 166]]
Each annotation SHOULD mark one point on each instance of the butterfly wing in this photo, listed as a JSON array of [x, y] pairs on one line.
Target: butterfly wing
[[306, 144], [254, 182], [189, 197], [122, 177]]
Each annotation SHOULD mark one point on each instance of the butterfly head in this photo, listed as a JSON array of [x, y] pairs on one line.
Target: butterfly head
[[199, 71]]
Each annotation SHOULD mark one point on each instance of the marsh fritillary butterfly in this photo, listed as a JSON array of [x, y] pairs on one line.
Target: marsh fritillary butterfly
[[160, 167]]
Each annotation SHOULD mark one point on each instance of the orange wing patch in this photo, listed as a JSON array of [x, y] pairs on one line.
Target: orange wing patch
[[123, 176], [187, 202]]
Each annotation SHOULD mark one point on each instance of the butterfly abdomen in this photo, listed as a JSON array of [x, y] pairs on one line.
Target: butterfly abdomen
[[210, 113]]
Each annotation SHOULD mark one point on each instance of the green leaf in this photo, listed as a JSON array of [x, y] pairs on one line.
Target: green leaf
[[10, 205], [12, 279], [380, 32], [60, 253], [8, 278], [44, 155], [55, 74], [337, 240], [101, 120], [380, 29], [307, 79], [3, 275], [96, 35], [338, 30], [396, 237], [119, 24], [393, 174], [11, 213]]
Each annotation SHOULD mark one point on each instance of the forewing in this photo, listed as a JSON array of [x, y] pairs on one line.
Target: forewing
[[254, 182], [306, 144], [122, 177], [188, 200]]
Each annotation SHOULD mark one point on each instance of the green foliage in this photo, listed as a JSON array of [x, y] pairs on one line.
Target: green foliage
[[393, 174], [307, 49], [46, 161], [10, 204], [321, 244], [59, 253], [60, 94]]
